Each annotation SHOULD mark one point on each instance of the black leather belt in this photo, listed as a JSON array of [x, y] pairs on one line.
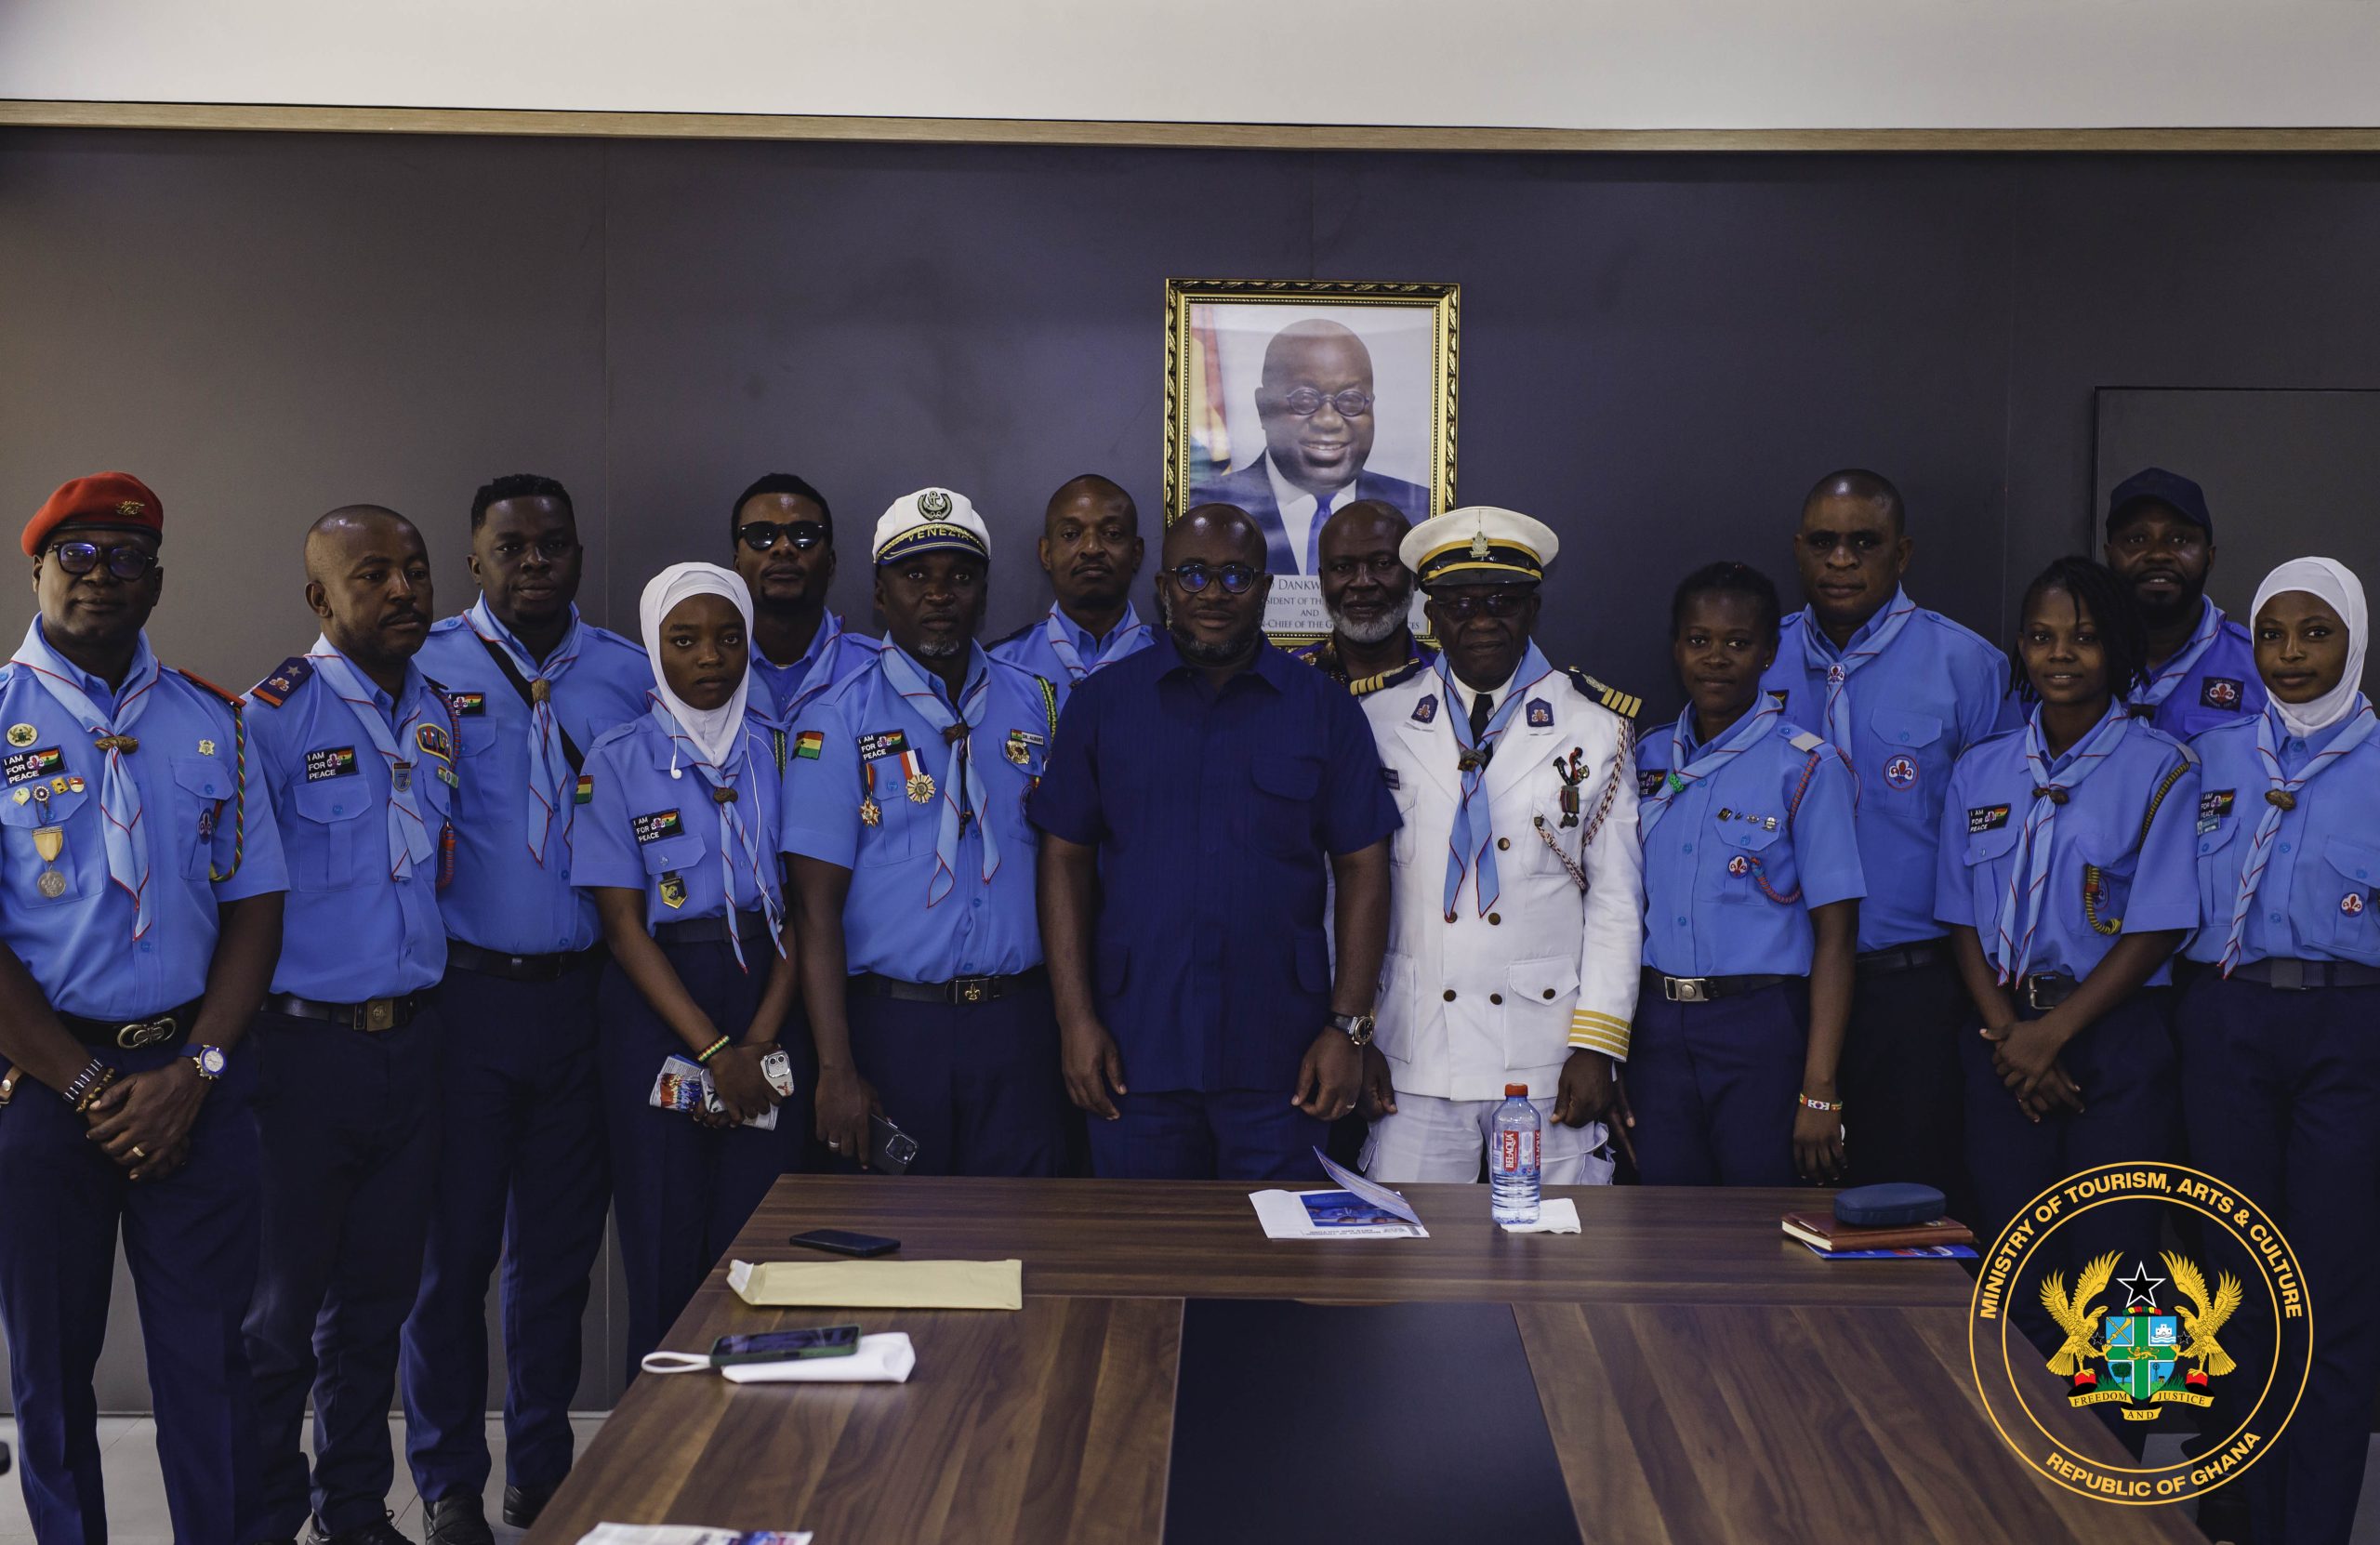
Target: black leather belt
[[2297, 976], [963, 989], [2044, 992], [132, 1034], [1705, 989], [371, 1016], [519, 968], [1899, 958], [750, 927]]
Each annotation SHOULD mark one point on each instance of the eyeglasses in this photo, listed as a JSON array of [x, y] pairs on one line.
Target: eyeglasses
[[125, 563], [1502, 601], [760, 536], [1236, 577], [1306, 402]]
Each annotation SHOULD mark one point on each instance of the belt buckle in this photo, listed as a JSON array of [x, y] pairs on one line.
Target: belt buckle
[[2034, 986], [971, 989], [1686, 989], [2289, 975], [147, 1032], [379, 1013]]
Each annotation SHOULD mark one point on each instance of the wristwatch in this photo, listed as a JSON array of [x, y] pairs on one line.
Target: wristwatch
[[1357, 1026], [210, 1061]]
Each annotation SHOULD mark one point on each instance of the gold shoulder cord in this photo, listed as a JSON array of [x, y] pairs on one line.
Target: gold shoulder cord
[[2110, 927]]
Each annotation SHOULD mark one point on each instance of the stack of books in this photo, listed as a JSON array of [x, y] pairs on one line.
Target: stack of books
[[1937, 1239]]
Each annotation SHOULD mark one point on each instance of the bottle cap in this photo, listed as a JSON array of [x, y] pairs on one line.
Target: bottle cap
[[1511, 1090]]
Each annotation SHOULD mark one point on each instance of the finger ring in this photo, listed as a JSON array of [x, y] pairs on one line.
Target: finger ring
[[136, 1152]]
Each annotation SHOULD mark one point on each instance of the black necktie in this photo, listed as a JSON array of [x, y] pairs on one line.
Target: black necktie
[[1483, 708]]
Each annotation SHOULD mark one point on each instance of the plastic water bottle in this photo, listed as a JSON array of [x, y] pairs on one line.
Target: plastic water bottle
[[1512, 1162]]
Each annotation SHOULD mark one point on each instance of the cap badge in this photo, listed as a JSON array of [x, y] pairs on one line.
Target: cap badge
[[934, 504], [1479, 544], [131, 509]]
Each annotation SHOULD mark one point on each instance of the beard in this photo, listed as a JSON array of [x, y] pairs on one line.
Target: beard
[[1378, 630], [942, 649], [1220, 653]]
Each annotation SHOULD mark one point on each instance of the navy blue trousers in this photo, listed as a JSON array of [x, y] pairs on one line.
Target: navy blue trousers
[[682, 1191], [192, 1242], [522, 1177], [2282, 1091], [349, 1127], [977, 1084], [1713, 1086], [1228, 1135]]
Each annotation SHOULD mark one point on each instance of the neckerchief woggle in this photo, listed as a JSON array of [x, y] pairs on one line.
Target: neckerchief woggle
[[925, 699], [1706, 761], [1874, 636], [409, 838], [2209, 626], [2281, 795], [547, 767], [1132, 634], [1471, 843], [2020, 909], [734, 835], [119, 812]]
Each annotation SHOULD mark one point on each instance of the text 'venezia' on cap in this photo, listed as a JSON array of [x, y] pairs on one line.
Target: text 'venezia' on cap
[[117, 500], [931, 519], [1479, 545]]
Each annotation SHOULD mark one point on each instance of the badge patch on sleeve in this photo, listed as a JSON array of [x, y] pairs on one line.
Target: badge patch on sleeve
[[333, 762], [19, 767], [1426, 709], [2220, 692], [883, 744], [1541, 714], [809, 745], [585, 792], [2213, 807], [1983, 818], [659, 824], [468, 705]]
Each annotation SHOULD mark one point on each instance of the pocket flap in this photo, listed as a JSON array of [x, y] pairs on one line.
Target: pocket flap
[[1544, 980], [1750, 837], [683, 851], [204, 776], [1986, 845], [333, 799], [2352, 859], [1292, 777], [1900, 727], [2219, 839]]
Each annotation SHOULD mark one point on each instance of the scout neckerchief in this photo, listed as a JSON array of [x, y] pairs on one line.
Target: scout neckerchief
[[924, 697], [549, 768], [2020, 909], [1874, 636], [409, 838], [1473, 839], [815, 665], [2210, 626], [1706, 760], [2280, 795], [734, 833], [1130, 636], [127, 841]]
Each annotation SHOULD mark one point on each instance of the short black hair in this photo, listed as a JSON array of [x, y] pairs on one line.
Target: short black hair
[[1739, 579], [1858, 482], [2108, 600], [779, 482], [519, 486]]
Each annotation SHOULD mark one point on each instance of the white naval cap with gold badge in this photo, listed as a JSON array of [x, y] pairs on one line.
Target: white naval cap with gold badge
[[931, 519], [1479, 545]]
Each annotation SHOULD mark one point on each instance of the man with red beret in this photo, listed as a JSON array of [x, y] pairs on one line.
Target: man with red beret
[[140, 894]]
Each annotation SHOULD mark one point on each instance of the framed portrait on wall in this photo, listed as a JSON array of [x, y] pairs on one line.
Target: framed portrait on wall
[[1294, 398]]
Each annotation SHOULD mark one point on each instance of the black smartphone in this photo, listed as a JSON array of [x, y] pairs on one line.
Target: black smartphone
[[891, 1149], [837, 1242], [786, 1346]]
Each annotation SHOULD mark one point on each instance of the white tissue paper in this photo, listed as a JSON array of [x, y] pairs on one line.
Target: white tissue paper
[[1555, 1215]]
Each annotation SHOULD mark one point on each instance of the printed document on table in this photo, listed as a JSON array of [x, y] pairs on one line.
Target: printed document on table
[[671, 1534], [1359, 1210]]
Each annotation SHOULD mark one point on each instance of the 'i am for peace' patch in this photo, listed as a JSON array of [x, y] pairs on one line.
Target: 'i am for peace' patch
[[1983, 818], [333, 762], [655, 827], [19, 767]]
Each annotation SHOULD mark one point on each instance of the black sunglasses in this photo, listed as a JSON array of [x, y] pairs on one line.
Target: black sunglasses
[[1237, 578], [760, 536], [125, 563]]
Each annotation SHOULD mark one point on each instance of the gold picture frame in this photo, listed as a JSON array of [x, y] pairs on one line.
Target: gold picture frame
[[1221, 443]]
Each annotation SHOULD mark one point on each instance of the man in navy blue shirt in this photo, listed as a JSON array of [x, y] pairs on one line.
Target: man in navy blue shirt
[[1195, 796], [2201, 665]]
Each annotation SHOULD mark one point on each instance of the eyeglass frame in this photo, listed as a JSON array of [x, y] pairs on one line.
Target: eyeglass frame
[[1501, 603], [1289, 400], [1181, 574], [147, 564]]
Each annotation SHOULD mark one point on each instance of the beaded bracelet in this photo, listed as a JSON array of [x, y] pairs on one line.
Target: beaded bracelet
[[713, 1050], [107, 1077], [1810, 1105], [80, 1091]]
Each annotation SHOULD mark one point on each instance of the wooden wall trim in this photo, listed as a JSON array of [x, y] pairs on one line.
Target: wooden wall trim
[[25, 113]]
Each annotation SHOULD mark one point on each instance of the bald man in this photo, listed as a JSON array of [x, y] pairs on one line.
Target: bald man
[[1314, 400], [358, 750], [1368, 594], [1091, 550]]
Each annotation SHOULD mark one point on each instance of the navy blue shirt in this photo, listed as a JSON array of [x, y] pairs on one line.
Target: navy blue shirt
[[1214, 813]]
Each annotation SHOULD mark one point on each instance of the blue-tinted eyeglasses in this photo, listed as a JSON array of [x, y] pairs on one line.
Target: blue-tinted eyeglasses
[[1236, 577], [125, 563]]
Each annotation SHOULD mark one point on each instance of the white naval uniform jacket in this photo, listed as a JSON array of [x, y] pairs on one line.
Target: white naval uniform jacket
[[1468, 1005]]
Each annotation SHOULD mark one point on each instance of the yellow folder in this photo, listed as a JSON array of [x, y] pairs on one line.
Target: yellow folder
[[880, 1284]]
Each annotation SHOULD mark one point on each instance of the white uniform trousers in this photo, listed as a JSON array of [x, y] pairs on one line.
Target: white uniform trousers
[[1430, 1139]]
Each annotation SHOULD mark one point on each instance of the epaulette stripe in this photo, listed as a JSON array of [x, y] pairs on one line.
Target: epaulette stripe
[[196, 680]]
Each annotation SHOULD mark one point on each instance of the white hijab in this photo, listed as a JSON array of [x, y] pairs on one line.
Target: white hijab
[[2336, 586], [712, 730]]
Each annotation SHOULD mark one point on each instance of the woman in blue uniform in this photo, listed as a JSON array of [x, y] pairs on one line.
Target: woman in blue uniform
[[2065, 880], [678, 843], [1752, 904], [2281, 1057]]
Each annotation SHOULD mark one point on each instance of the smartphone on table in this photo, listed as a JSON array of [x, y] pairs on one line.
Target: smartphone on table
[[785, 1346], [838, 1242]]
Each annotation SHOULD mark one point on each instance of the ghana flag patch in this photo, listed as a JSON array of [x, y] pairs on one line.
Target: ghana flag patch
[[585, 792], [809, 744]]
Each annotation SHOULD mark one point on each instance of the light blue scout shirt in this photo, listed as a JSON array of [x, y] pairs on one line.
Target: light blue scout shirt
[[1916, 691], [651, 823], [1762, 831], [2318, 898], [862, 744], [511, 893], [780, 692], [1062, 651], [2211, 679], [352, 930], [2120, 850], [79, 944]]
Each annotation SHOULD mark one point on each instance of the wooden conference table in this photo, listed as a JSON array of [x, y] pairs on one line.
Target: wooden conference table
[[1703, 1379]]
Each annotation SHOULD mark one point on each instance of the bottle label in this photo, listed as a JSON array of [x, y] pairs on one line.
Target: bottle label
[[1512, 1157]]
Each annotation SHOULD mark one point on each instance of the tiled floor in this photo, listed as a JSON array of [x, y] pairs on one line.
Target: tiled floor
[[136, 1494]]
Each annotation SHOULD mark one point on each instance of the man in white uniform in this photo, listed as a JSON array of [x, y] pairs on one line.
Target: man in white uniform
[[1516, 918]]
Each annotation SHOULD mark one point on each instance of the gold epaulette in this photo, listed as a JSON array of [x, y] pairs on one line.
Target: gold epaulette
[[1626, 705]]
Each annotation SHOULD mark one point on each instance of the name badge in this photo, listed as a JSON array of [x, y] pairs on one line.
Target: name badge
[[1021, 746], [883, 744], [1983, 818], [654, 827], [337, 761], [468, 705], [19, 767]]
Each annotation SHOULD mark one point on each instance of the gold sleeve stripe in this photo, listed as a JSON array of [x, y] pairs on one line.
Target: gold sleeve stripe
[[1599, 1033]]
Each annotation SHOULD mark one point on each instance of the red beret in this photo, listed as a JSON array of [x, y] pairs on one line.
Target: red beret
[[105, 498]]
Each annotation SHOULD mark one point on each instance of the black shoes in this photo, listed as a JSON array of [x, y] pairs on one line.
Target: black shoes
[[458, 1520], [380, 1531], [521, 1504]]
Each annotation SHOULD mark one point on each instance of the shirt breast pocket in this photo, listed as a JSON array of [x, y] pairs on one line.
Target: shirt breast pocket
[[201, 786], [330, 846], [2109, 861], [1401, 847], [1753, 855], [2352, 868], [2218, 877], [80, 861], [673, 855], [1282, 812], [1910, 761], [1988, 857]]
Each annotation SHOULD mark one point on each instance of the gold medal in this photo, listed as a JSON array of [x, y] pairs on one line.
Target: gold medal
[[49, 841], [51, 883], [920, 788], [673, 891], [870, 813]]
